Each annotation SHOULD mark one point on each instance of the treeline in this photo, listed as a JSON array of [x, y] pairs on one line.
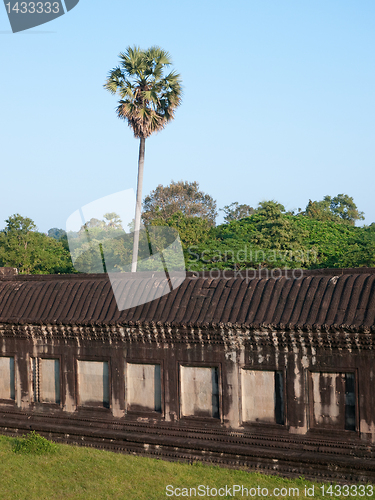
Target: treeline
[[274, 238], [323, 235], [32, 252]]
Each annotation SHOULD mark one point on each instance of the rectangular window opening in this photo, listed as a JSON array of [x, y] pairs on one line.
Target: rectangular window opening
[[333, 400], [45, 375], [263, 396], [7, 381], [93, 383], [199, 391], [143, 386]]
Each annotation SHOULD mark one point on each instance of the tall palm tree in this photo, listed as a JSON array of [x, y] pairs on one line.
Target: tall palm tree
[[148, 101]]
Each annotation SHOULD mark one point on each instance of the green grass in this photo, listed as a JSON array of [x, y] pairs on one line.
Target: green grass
[[35, 444], [69, 472]]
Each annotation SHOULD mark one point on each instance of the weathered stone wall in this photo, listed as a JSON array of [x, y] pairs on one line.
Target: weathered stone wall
[[8, 271], [229, 392], [7, 379]]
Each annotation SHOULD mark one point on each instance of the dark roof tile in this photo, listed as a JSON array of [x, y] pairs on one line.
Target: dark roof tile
[[323, 298]]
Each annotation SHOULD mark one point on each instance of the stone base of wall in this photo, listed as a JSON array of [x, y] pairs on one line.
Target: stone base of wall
[[324, 460]]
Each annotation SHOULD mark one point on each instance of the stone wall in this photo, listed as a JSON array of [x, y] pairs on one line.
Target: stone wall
[[277, 401], [8, 271]]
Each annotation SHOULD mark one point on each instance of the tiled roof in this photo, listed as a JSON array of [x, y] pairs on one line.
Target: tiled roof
[[319, 299]]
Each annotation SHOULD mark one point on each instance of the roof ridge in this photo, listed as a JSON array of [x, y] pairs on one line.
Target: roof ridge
[[213, 274]]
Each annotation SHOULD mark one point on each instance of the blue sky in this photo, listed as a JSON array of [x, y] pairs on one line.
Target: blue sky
[[278, 104]]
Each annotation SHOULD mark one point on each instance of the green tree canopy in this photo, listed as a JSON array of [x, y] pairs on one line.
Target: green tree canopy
[[182, 196], [192, 230], [20, 225], [340, 207], [113, 220], [235, 211], [272, 237], [56, 233], [22, 246]]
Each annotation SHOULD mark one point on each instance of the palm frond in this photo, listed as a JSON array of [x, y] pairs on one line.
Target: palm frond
[[148, 98]]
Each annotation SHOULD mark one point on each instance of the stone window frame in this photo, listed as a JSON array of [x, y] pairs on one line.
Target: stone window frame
[[204, 364], [10, 401], [95, 406], [31, 380], [139, 411], [263, 368], [310, 400]]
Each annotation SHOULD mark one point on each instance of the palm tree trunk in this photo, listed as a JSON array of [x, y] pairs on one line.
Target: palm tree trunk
[[138, 206]]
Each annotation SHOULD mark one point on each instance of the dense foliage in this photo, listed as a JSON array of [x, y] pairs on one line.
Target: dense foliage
[[324, 235], [272, 238], [235, 211], [339, 207], [185, 197], [32, 252]]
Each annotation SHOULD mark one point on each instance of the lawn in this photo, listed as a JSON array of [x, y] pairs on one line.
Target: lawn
[[70, 472]]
